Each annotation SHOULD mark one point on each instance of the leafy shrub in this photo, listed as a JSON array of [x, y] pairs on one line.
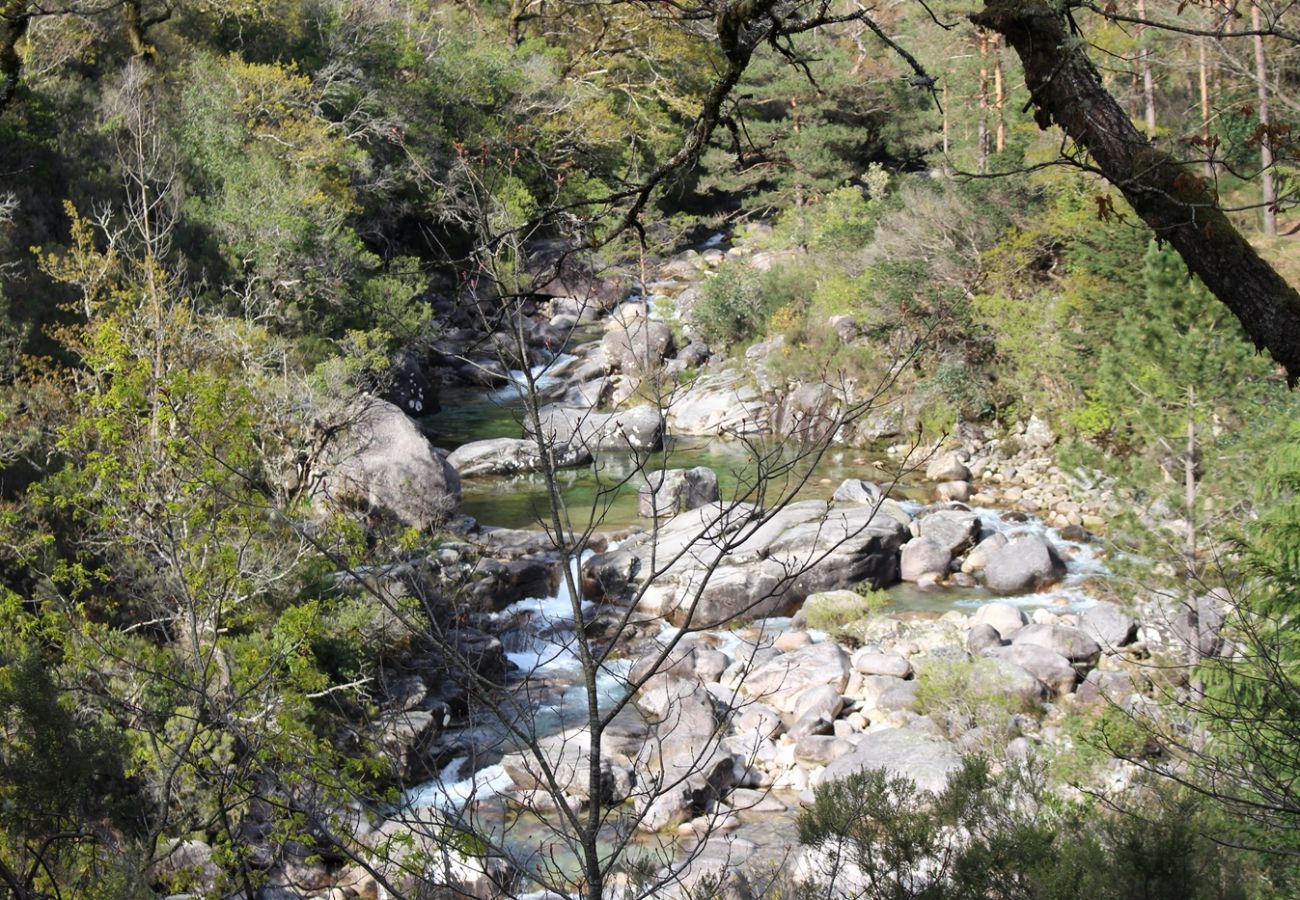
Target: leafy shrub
[[1094, 737], [967, 694], [1008, 836], [837, 612], [735, 305], [730, 309]]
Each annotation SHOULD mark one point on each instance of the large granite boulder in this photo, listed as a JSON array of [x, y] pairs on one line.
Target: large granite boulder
[[737, 560], [855, 490], [924, 759], [947, 467], [1007, 619], [923, 556], [637, 345], [978, 558], [385, 465], [672, 491], [1108, 625], [1069, 642], [639, 428], [953, 529], [510, 456], [718, 403], [1052, 669], [782, 682], [1027, 563]]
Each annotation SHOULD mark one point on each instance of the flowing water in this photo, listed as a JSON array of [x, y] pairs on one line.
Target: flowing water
[[539, 641]]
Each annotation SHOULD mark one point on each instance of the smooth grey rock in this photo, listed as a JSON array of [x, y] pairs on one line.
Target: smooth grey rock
[[509, 456], [922, 556], [947, 467], [978, 558], [869, 662], [1007, 619], [1211, 613], [1028, 563], [982, 637], [387, 465], [957, 491], [719, 403], [855, 490], [897, 696], [758, 720], [688, 659], [819, 749], [637, 346], [669, 492], [1108, 625], [683, 787], [780, 682], [953, 529], [638, 428], [1038, 434], [818, 707], [1106, 687], [567, 756], [773, 563], [994, 675], [1052, 669], [1069, 642], [926, 760]]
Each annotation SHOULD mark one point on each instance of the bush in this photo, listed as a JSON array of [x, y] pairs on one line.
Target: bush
[[735, 305], [964, 695], [837, 612], [1007, 836]]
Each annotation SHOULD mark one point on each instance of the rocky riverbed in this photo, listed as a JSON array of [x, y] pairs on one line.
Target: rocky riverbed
[[974, 572]]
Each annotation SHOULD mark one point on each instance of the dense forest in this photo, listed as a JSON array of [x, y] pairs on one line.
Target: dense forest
[[618, 449]]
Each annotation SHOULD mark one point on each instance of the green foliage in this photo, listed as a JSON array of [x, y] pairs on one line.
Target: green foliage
[[988, 835], [1092, 739], [803, 140], [273, 195], [967, 694], [734, 306], [60, 767], [841, 613]]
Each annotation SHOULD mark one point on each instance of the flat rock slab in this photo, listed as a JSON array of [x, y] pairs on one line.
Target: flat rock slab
[[722, 562], [922, 758], [510, 456]]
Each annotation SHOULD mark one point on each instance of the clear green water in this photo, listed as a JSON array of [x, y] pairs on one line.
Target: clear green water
[[605, 492]]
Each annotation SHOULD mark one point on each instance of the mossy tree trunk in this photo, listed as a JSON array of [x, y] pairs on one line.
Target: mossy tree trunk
[[1177, 203]]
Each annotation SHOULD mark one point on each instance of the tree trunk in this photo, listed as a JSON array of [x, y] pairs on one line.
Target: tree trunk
[[984, 104], [1189, 489], [1148, 81], [1266, 138], [999, 95], [137, 28], [1066, 90], [945, 116], [1204, 71], [13, 26]]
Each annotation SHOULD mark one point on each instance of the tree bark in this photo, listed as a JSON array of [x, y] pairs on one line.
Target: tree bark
[[13, 26], [1204, 73], [1266, 138], [999, 96], [983, 136], [1065, 89], [1148, 80]]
